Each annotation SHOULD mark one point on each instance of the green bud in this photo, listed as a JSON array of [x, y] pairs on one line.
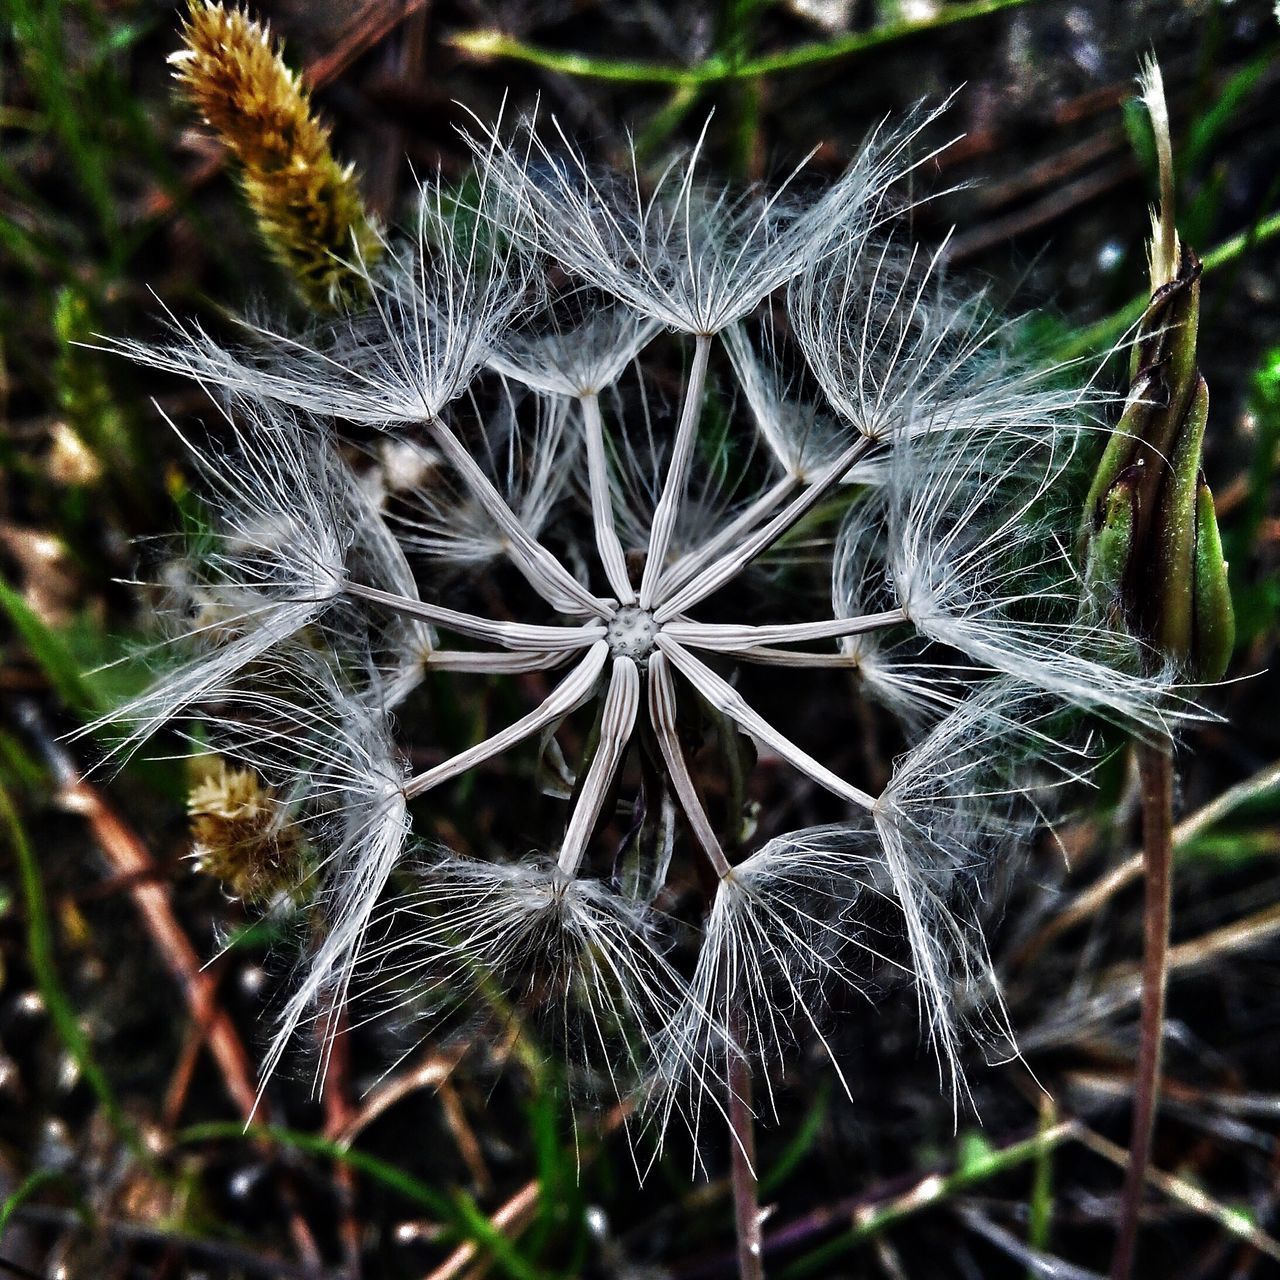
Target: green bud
[[1110, 545], [1170, 587], [1149, 540], [1215, 622]]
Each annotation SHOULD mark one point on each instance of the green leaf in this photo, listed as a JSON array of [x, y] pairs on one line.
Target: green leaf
[[794, 1153], [974, 1154], [1215, 623], [51, 652]]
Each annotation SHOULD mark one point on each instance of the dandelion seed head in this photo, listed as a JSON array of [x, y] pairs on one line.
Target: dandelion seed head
[[833, 460]]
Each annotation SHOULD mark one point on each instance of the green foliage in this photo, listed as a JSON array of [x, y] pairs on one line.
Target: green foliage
[[40, 953], [35, 1181], [83, 392], [798, 1149], [719, 68], [1257, 599], [53, 654]]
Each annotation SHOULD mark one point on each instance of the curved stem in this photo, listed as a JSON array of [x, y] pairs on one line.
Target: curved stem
[[746, 520], [545, 574], [742, 1161], [732, 638], [766, 656], [481, 662], [664, 515], [567, 696], [1155, 766], [616, 723], [608, 544], [725, 698], [662, 715], [718, 68], [510, 635], [732, 563]]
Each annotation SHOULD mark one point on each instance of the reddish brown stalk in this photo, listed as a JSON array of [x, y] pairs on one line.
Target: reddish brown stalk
[[1155, 767], [742, 1157], [331, 1033], [131, 860], [184, 1070]]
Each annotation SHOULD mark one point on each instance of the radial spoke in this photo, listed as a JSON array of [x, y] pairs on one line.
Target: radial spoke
[[664, 515], [733, 562], [608, 544], [567, 696], [510, 635], [546, 575], [730, 702], [797, 657], [476, 660], [746, 520], [730, 638], [662, 715], [617, 721]]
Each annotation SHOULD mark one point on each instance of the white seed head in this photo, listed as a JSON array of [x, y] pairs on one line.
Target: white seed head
[[837, 462]]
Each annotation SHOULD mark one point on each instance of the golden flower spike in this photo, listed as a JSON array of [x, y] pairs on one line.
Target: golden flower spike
[[307, 205], [240, 835]]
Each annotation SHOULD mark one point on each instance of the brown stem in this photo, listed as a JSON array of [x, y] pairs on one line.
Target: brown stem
[[1155, 767], [742, 1155], [333, 1041]]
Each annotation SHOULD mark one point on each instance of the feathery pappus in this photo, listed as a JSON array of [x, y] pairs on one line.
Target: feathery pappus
[[646, 448]]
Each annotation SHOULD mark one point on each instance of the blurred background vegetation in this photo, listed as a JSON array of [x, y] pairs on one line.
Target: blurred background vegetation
[[127, 1070]]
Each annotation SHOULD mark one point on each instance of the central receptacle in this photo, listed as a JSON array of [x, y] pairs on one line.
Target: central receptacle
[[631, 633]]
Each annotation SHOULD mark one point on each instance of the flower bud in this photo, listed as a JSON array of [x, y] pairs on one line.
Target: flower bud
[[1149, 542]]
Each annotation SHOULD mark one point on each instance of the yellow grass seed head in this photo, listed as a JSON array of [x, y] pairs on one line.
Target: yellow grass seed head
[[242, 835], [308, 206]]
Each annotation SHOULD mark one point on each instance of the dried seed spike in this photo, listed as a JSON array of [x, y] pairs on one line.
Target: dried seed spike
[[307, 205], [241, 834]]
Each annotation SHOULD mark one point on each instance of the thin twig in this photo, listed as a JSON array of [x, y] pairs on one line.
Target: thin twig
[[1155, 766], [427, 1075], [1086, 904], [866, 1216], [1121, 986], [718, 68], [742, 1164], [1231, 1220], [332, 1038], [464, 1136], [516, 1212], [130, 859], [220, 1253], [128, 856], [510, 1219]]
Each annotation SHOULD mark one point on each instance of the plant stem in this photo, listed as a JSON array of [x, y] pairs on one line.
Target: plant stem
[[40, 953], [612, 556], [717, 68], [664, 515], [742, 1155], [1106, 331], [1155, 767]]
